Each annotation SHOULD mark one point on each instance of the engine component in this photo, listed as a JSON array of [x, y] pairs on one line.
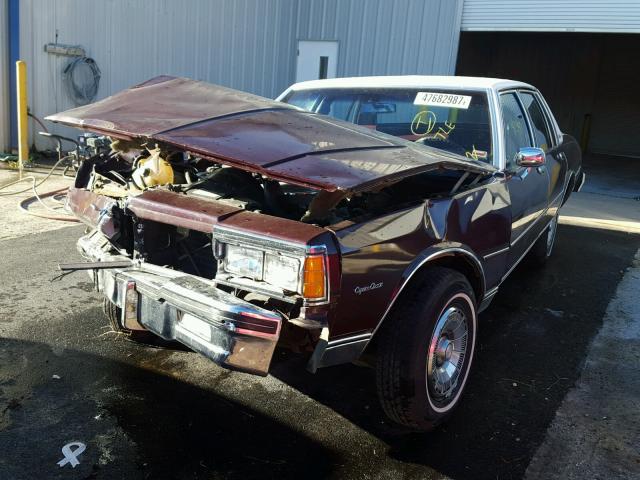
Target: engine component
[[152, 171], [105, 186]]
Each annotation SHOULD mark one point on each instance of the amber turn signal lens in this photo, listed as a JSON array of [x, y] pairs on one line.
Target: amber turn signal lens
[[314, 278]]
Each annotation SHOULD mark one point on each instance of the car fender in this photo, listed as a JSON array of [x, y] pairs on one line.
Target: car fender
[[451, 254]]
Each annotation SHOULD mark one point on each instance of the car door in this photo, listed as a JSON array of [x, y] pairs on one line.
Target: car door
[[528, 186]]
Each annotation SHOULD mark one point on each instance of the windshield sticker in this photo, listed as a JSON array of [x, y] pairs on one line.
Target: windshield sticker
[[443, 133], [423, 123], [442, 100], [477, 154]]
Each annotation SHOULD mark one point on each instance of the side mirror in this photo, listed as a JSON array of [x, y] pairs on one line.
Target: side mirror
[[530, 157]]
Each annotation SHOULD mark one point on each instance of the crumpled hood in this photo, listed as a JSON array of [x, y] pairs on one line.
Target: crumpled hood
[[260, 135]]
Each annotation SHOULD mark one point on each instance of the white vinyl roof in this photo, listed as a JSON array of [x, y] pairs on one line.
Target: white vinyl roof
[[410, 81]]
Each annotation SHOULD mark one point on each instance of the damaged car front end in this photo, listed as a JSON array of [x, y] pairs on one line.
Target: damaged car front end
[[219, 218]]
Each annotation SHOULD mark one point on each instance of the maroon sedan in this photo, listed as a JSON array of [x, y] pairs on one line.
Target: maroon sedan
[[232, 223]]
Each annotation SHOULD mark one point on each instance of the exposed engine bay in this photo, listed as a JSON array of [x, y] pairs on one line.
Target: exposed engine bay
[[121, 169]]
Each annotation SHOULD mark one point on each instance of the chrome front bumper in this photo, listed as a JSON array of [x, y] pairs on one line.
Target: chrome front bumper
[[177, 306]]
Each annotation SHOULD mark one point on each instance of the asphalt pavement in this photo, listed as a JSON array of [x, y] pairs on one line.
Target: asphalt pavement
[[145, 412]]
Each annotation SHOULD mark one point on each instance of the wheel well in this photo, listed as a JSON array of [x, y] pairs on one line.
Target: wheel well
[[458, 262], [466, 267]]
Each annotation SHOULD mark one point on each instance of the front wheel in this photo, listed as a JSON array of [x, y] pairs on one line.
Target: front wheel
[[426, 349]]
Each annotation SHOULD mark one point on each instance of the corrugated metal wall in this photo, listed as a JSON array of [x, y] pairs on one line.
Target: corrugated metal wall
[[246, 44], [4, 76], [240, 43], [382, 37], [619, 16]]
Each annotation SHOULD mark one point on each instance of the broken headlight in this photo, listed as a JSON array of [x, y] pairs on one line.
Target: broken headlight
[[244, 262], [283, 266], [282, 271], [278, 270]]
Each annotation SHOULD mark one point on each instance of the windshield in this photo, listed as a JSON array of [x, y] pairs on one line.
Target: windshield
[[451, 120]]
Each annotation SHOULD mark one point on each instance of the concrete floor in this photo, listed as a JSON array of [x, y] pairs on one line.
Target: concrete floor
[[612, 176], [15, 222], [596, 431], [150, 413]]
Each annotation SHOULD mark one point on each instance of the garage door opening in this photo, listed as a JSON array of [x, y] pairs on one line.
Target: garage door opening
[[590, 82]]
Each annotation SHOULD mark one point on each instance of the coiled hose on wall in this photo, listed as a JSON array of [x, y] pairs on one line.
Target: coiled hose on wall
[[82, 79]]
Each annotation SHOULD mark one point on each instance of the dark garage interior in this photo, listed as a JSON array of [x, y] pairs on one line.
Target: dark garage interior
[[590, 82]]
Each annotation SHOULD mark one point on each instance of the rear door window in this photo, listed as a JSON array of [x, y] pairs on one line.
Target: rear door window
[[539, 125]]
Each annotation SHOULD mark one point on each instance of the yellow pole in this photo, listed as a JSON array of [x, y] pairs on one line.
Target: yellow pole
[[23, 128]]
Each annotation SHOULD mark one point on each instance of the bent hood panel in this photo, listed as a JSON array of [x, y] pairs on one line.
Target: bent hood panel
[[257, 134], [160, 104]]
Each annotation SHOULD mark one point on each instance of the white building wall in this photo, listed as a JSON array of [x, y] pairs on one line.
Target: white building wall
[[4, 76], [619, 16]]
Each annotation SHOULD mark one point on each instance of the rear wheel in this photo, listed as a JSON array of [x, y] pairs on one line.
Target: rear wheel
[[543, 248], [426, 349]]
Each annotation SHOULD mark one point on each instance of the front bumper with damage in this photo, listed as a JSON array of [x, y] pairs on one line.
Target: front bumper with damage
[[178, 306]]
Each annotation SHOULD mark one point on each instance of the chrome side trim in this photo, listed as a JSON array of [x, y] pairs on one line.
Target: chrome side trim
[[432, 256], [488, 297], [524, 254], [344, 352], [581, 182], [531, 225], [493, 291], [341, 350], [494, 253], [541, 216], [346, 340]]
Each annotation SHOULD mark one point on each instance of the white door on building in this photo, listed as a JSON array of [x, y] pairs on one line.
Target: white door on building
[[316, 59]]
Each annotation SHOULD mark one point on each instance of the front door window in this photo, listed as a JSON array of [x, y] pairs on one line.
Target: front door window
[[516, 133]]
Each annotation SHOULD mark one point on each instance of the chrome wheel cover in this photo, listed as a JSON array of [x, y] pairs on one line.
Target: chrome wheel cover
[[447, 354]]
